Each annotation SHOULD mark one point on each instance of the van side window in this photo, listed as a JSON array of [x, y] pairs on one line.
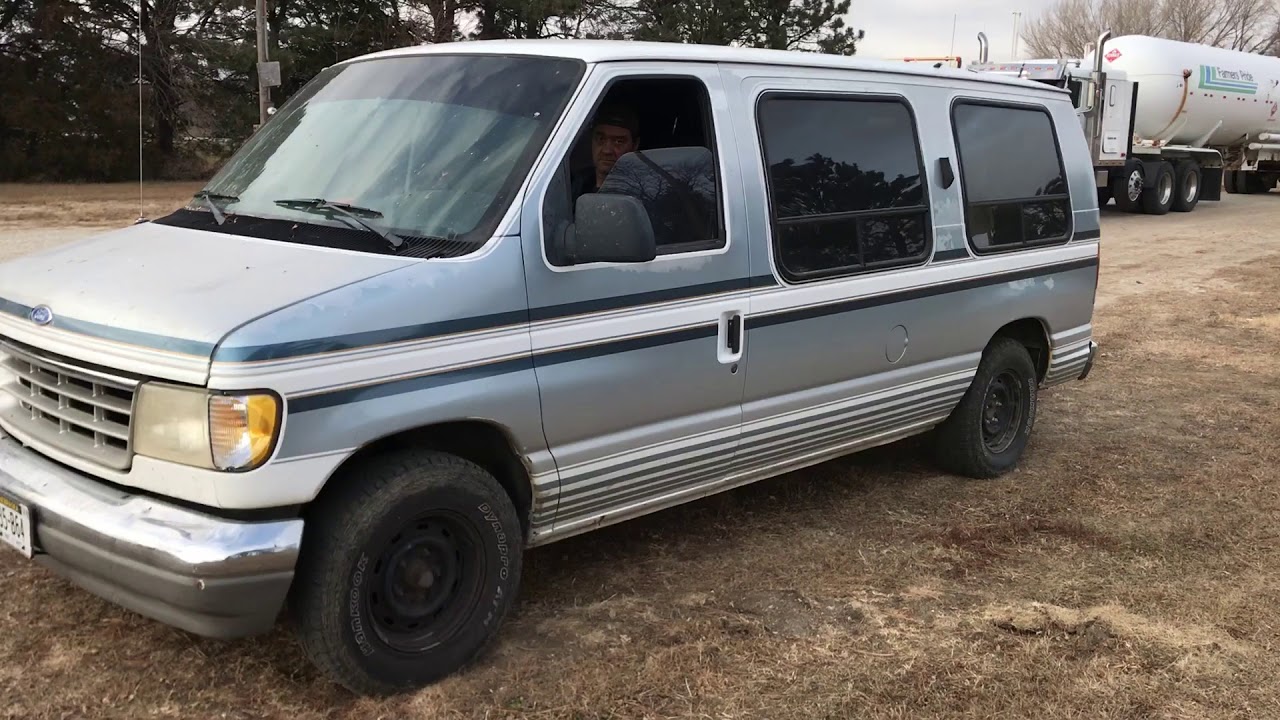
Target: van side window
[[846, 184], [653, 139], [1015, 188]]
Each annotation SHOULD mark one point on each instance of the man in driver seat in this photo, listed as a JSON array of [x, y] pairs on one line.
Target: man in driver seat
[[615, 131]]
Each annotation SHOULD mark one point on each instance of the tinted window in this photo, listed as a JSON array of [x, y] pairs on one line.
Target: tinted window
[[845, 183], [1015, 188]]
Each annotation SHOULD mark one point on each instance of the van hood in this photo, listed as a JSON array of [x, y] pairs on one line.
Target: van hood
[[157, 299]]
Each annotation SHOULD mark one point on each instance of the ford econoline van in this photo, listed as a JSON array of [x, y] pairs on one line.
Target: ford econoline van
[[452, 302]]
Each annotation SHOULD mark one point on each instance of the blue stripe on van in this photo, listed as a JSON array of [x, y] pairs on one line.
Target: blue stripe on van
[[557, 357], [10, 307], [370, 338], [309, 403], [836, 308], [276, 351], [621, 302], [1088, 235], [554, 357], [167, 343]]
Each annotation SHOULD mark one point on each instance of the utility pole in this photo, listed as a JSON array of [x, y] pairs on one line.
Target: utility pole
[[1017, 23], [268, 72]]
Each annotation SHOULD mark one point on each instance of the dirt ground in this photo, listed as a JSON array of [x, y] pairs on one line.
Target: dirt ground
[[1129, 569]]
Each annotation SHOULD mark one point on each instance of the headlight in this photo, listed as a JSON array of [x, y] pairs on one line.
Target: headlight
[[194, 427]]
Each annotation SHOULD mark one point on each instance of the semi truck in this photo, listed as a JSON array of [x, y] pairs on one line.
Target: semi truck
[[1169, 123]]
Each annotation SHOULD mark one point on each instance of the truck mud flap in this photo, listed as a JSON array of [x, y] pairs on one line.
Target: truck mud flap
[[1211, 184]]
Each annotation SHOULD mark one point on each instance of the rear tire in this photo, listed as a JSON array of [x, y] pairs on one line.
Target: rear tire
[[409, 566], [985, 435], [1187, 179], [1157, 199], [1231, 181], [1126, 188]]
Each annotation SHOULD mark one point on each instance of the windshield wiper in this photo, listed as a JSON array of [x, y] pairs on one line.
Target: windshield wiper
[[210, 197], [352, 212]]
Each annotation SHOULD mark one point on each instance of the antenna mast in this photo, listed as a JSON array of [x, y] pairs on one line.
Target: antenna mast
[[141, 217]]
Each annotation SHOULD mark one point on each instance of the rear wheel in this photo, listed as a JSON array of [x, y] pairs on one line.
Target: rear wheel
[[409, 566], [987, 432], [1157, 199], [1231, 181], [1126, 188], [1187, 181]]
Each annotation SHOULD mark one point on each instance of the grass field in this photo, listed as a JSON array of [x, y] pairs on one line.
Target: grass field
[[1129, 569]]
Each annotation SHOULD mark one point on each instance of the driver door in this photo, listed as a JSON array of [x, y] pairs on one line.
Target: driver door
[[639, 363]]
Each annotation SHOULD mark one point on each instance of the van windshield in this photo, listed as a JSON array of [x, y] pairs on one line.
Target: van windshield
[[426, 147]]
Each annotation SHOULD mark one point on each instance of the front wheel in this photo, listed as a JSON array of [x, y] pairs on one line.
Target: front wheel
[[987, 432], [409, 566], [1127, 188]]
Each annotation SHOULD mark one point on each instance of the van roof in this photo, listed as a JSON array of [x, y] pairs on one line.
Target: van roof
[[594, 51]]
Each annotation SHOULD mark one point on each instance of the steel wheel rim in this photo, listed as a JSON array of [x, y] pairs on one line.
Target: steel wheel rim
[[1192, 188], [1166, 189], [1002, 411], [1135, 186], [424, 583]]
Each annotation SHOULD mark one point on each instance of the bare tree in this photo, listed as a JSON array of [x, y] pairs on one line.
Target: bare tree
[[1069, 27]]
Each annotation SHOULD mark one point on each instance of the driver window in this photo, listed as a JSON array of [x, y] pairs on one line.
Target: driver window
[[653, 139]]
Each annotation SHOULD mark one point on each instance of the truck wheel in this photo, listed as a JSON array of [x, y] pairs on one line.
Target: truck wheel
[[1187, 178], [1157, 199], [986, 433], [409, 566], [1126, 188], [1231, 181]]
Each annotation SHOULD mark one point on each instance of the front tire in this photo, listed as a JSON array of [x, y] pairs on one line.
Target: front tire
[[409, 566], [1127, 187], [985, 435]]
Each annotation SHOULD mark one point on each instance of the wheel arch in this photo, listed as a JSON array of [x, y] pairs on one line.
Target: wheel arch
[[481, 441], [1033, 334]]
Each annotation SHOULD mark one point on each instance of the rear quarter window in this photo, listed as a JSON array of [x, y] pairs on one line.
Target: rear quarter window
[[1015, 188], [846, 184]]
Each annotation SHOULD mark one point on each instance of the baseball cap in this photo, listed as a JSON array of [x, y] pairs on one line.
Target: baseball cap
[[618, 116]]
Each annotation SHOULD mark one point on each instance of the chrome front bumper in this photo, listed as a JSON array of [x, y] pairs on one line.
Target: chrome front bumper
[[205, 574]]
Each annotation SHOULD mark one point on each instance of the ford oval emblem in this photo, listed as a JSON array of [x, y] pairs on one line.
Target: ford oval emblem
[[41, 315]]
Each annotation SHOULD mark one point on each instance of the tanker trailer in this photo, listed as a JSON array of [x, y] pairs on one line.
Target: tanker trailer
[[1169, 123]]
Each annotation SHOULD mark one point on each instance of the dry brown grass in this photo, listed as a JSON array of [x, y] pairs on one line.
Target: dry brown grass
[[1129, 569], [88, 205]]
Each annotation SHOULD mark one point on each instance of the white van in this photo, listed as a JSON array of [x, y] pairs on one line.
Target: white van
[[455, 301]]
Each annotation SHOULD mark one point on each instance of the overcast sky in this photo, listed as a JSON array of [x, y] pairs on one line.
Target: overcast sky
[[903, 28]]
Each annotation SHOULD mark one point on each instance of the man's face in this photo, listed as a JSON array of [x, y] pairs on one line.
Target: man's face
[[608, 143]]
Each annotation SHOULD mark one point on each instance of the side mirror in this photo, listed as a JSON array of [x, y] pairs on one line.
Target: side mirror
[[610, 228]]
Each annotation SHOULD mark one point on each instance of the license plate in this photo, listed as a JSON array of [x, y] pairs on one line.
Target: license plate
[[15, 525]]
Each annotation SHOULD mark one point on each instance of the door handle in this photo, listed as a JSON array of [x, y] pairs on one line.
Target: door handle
[[734, 334], [731, 333]]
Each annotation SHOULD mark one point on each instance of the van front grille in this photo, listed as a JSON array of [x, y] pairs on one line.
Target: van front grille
[[64, 404]]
